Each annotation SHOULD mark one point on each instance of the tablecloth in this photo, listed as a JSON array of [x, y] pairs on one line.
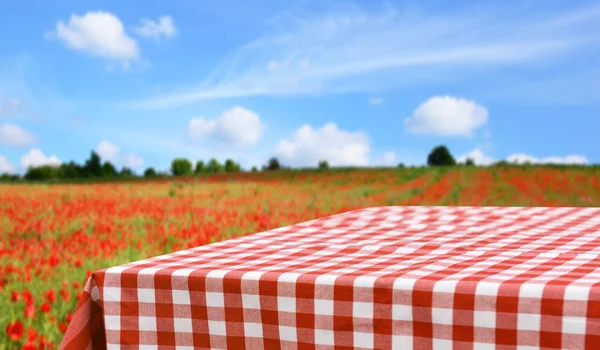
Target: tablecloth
[[376, 278]]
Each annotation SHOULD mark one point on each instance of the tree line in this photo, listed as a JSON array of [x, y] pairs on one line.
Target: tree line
[[94, 168]]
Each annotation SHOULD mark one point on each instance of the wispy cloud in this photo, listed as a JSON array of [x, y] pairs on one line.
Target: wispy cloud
[[353, 49]]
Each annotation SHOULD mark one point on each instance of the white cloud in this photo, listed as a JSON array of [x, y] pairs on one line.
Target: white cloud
[[133, 161], [236, 126], [477, 156], [447, 116], [107, 151], [521, 158], [98, 33], [14, 135], [35, 158], [376, 100], [355, 50], [480, 158], [308, 146], [6, 166], [164, 27]]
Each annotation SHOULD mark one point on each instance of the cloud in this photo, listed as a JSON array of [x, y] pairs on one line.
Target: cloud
[[447, 116], [8, 105], [100, 34], [237, 126], [376, 100], [521, 158], [14, 135], [133, 161], [354, 50], [35, 158], [308, 146], [478, 157], [6, 166], [164, 27], [107, 151]]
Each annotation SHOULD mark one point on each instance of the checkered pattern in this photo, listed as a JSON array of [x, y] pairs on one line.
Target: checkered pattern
[[376, 278]]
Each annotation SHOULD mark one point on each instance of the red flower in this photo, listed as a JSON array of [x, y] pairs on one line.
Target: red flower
[[51, 296], [28, 297], [69, 317], [30, 345], [45, 307], [31, 334], [14, 330], [63, 327], [76, 285], [14, 296], [64, 293], [44, 343], [29, 311]]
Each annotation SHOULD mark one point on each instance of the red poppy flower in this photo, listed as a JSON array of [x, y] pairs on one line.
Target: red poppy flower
[[30, 345], [28, 297], [51, 296], [31, 334], [63, 327], [64, 293], [45, 307], [29, 311], [14, 296], [44, 343], [14, 330]]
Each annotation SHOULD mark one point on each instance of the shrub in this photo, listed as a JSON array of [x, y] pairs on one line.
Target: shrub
[[273, 164], [181, 167], [150, 172], [440, 156], [323, 165]]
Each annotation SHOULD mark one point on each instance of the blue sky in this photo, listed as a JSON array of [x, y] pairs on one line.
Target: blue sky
[[356, 83]]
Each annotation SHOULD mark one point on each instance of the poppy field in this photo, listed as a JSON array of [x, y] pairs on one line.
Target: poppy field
[[54, 236]]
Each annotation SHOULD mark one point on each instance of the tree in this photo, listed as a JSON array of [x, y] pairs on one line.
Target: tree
[[254, 169], [214, 166], [109, 170], [200, 167], [5, 177], [126, 172], [273, 164], [400, 165], [93, 166], [440, 156], [181, 167], [150, 172], [323, 165], [72, 170], [231, 166], [469, 162], [42, 173]]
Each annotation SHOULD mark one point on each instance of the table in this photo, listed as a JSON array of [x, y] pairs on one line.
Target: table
[[375, 278]]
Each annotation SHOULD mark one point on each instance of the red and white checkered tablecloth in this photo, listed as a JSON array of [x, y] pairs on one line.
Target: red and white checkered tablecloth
[[376, 278]]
